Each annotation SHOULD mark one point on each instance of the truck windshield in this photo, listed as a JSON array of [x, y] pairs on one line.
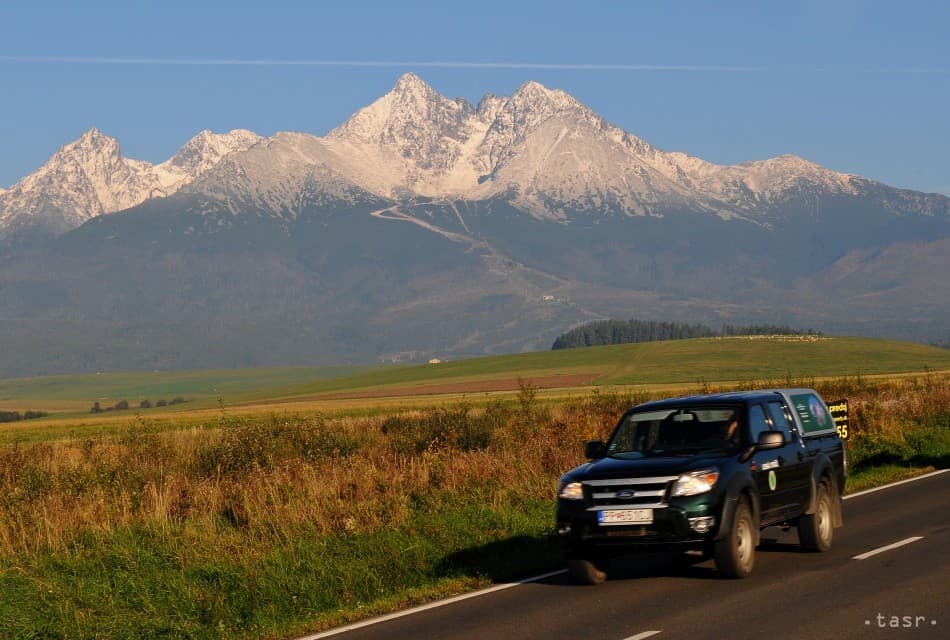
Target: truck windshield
[[676, 432]]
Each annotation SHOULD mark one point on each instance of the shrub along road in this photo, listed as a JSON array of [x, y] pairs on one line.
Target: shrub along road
[[885, 576]]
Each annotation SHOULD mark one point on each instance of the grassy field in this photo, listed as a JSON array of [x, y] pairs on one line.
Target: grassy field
[[76, 393], [648, 365], [652, 363], [288, 514]]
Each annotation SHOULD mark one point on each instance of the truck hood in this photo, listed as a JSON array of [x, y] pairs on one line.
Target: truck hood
[[606, 468]]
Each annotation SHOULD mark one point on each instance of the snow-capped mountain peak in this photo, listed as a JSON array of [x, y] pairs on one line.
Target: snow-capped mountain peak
[[488, 107], [414, 121], [412, 139], [393, 118], [206, 148], [201, 153], [92, 137], [411, 84], [89, 177], [541, 149], [536, 97], [91, 147], [541, 144], [84, 179], [517, 117]]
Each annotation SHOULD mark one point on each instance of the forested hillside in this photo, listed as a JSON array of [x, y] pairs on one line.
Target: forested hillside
[[605, 332]]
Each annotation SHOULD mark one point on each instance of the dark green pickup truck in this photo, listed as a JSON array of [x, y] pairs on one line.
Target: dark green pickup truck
[[705, 473]]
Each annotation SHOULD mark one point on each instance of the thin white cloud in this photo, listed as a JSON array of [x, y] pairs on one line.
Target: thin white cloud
[[459, 65]]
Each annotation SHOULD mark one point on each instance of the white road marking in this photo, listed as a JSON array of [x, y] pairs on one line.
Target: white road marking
[[641, 636], [874, 552], [435, 605], [894, 484]]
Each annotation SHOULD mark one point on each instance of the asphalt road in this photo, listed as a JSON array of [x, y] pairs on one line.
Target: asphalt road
[[847, 592]]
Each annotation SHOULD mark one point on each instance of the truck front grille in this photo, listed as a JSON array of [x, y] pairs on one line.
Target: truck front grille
[[635, 493]]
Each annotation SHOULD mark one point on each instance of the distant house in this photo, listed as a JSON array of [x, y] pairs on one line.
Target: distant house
[[548, 298], [434, 361]]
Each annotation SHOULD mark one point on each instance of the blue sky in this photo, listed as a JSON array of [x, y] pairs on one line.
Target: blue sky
[[862, 87]]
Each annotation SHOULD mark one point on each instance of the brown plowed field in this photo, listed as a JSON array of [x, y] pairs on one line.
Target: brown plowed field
[[471, 386]]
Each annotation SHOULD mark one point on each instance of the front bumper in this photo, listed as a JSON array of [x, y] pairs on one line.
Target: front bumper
[[674, 527]]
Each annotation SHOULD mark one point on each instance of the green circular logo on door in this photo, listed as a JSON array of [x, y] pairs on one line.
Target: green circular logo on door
[[772, 481]]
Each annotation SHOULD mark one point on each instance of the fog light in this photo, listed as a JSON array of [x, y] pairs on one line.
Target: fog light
[[702, 525], [564, 529]]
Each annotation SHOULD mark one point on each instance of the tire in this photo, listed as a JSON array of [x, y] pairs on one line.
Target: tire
[[735, 553], [586, 571], [816, 531]]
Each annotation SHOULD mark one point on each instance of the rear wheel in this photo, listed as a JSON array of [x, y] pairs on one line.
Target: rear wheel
[[735, 553], [816, 531], [585, 570]]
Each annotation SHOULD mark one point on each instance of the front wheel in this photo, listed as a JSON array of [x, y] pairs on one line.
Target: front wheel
[[816, 531], [586, 571], [735, 553]]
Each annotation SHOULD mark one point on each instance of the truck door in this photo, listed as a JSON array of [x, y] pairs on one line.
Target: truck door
[[774, 470], [765, 466], [793, 459]]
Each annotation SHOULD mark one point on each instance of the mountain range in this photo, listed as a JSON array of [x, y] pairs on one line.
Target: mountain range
[[427, 226]]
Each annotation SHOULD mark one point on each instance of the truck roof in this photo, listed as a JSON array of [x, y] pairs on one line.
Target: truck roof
[[732, 397]]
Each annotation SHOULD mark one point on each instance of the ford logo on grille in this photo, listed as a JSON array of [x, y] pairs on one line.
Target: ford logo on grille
[[626, 494]]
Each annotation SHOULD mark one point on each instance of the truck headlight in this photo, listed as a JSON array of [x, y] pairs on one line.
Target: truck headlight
[[695, 482], [570, 490]]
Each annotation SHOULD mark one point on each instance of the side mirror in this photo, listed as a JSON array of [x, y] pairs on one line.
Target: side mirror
[[594, 449], [770, 440]]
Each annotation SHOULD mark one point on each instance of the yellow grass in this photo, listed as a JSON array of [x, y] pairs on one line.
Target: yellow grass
[[271, 474]]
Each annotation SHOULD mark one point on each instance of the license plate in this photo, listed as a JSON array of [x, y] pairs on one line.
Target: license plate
[[625, 516]]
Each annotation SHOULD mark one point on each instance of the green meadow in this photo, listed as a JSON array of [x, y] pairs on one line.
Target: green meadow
[[668, 362], [78, 392], [690, 362]]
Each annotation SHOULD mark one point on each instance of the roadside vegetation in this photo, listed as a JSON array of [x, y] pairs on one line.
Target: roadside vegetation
[[273, 525]]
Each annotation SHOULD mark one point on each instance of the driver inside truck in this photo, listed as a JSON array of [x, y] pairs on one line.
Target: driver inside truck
[[724, 433], [731, 431]]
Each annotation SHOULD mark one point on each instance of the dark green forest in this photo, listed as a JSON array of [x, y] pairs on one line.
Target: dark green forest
[[603, 332]]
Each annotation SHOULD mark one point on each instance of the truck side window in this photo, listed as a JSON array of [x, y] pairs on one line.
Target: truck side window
[[757, 421], [780, 420]]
